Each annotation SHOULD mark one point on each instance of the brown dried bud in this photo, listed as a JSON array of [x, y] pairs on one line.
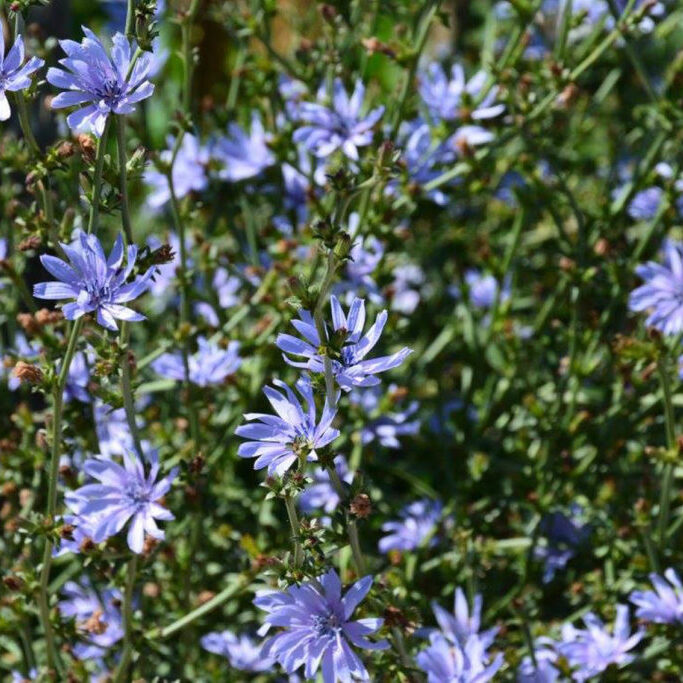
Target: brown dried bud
[[150, 545], [567, 264], [204, 596], [12, 583], [361, 506], [26, 372], [28, 323], [67, 532], [306, 45], [31, 242], [601, 247], [94, 624], [8, 488], [15, 6], [328, 12], [164, 254], [66, 149], [151, 590], [47, 317], [373, 45], [197, 463], [88, 146], [87, 544], [568, 96]]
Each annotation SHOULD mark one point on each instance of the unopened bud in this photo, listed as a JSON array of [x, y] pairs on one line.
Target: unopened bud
[[87, 146], [66, 149], [361, 506], [343, 246], [27, 372]]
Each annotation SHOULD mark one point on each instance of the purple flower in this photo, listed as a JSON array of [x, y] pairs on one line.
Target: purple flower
[[389, 425], [458, 651], [211, 364], [662, 293], [317, 631], [112, 430], [664, 605], [593, 649], [339, 125], [544, 670], [564, 535], [123, 494], [348, 364], [14, 76], [78, 379], [243, 155], [417, 524], [96, 283], [405, 289], [97, 83], [97, 614], [644, 204], [242, 652], [278, 441], [446, 662], [482, 289], [454, 99], [320, 494], [225, 287], [189, 171]]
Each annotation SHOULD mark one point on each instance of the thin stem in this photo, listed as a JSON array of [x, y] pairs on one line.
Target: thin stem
[[127, 613], [127, 389], [216, 601], [97, 180], [352, 531], [53, 657], [22, 112], [123, 179], [320, 327], [130, 15], [296, 531], [667, 478]]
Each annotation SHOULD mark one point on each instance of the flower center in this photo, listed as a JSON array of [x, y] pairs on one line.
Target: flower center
[[110, 89], [138, 494], [326, 625]]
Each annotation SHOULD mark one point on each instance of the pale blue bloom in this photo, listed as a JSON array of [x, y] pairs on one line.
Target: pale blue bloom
[[97, 283], [339, 125], [564, 534], [243, 652], [417, 523], [189, 171], [84, 604], [14, 73], [97, 83], [211, 364], [128, 492], [317, 629], [455, 98], [278, 441], [243, 155], [320, 494], [662, 293], [544, 670], [664, 605], [591, 650], [349, 366]]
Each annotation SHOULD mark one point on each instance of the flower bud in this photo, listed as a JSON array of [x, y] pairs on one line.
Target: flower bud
[[27, 372]]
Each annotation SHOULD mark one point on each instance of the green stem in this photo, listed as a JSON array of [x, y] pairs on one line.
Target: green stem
[[53, 657], [127, 613], [123, 179], [127, 389], [216, 601], [130, 15], [296, 531], [22, 112], [667, 478], [320, 327], [97, 180]]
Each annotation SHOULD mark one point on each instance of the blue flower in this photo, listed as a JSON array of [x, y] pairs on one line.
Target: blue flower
[[482, 289], [278, 441], [454, 99], [406, 289], [189, 171], [77, 380], [338, 126], [317, 630], [243, 155], [320, 494], [225, 288], [113, 433], [446, 662], [593, 649], [662, 292], [348, 364], [644, 204], [664, 605], [211, 364], [389, 425], [242, 652], [564, 535], [417, 524], [458, 651], [14, 76], [125, 493], [544, 670], [97, 614], [96, 283], [97, 83]]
